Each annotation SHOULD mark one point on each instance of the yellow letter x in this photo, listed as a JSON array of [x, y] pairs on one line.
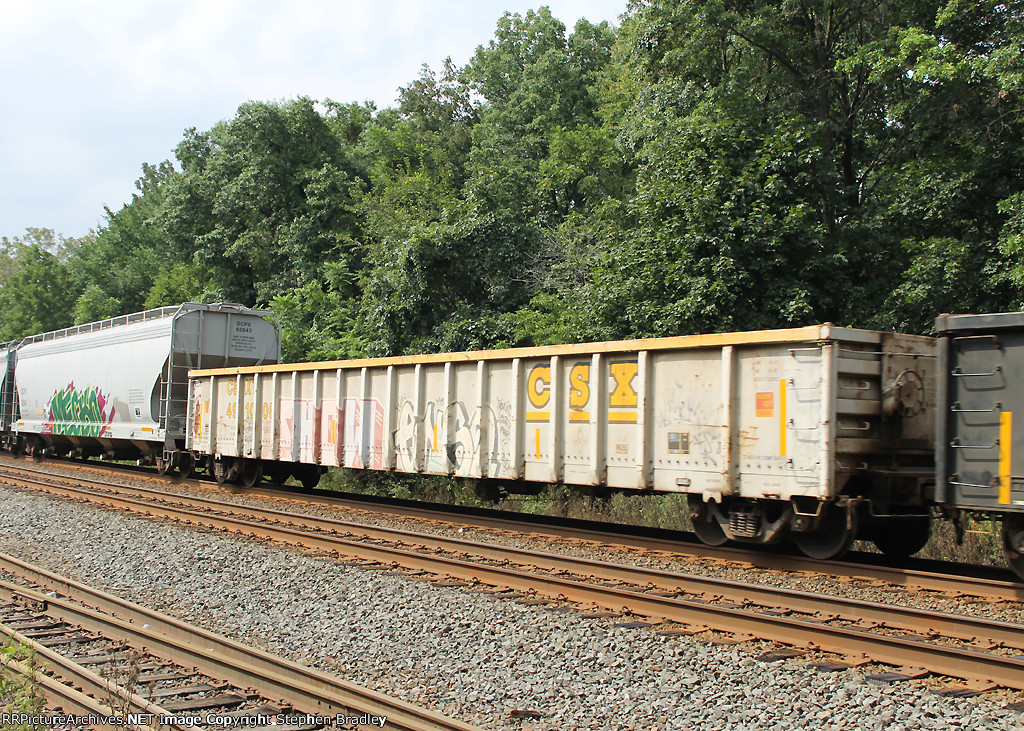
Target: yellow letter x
[[623, 373]]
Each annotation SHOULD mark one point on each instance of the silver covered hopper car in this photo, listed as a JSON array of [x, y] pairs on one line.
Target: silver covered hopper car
[[118, 388]]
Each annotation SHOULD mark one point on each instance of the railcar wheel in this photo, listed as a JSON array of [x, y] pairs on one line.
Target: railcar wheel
[[707, 529], [834, 535], [163, 466], [709, 532], [222, 470], [186, 464], [252, 476], [1013, 542], [901, 537]]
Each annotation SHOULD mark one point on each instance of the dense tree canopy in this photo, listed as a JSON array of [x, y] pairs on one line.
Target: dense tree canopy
[[36, 284], [812, 161], [707, 165]]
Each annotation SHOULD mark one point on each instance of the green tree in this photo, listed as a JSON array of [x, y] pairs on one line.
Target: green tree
[[318, 319], [263, 200], [34, 296], [118, 267], [537, 83], [438, 272], [445, 283], [436, 119], [180, 281], [712, 165], [94, 304], [797, 160]]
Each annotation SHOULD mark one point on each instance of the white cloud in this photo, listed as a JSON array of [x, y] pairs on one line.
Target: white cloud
[[97, 88], [312, 31]]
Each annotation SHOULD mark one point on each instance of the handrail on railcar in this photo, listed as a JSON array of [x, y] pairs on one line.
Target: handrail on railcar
[[156, 313]]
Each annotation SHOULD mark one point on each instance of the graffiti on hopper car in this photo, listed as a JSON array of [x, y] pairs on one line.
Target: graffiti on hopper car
[[78, 412]]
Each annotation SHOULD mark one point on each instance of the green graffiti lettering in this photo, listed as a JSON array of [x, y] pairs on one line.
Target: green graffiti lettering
[[79, 413]]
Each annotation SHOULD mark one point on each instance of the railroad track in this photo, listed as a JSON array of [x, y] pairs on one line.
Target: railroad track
[[999, 586], [128, 659], [950, 645], [1004, 588]]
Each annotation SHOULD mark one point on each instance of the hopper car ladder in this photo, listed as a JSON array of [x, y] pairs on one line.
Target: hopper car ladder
[[174, 379]]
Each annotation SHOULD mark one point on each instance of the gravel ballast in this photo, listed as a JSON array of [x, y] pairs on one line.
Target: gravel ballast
[[480, 658], [1009, 611]]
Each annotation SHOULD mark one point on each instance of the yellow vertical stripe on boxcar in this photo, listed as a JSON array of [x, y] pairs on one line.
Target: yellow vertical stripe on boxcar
[[537, 432], [1005, 455], [435, 437], [782, 417]]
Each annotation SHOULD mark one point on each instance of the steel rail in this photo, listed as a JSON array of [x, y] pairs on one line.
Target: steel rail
[[908, 578], [58, 695], [949, 584], [308, 690], [969, 629], [93, 685], [901, 651]]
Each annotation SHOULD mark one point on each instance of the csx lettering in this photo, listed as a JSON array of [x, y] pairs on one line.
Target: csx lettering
[[539, 386], [624, 393], [579, 381]]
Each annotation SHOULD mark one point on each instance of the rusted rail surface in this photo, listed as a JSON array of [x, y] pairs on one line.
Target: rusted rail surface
[[815, 630], [307, 690], [968, 629], [95, 686], [907, 578], [950, 584]]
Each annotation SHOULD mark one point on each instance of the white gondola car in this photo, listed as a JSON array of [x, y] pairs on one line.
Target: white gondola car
[[118, 387], [770, 432]]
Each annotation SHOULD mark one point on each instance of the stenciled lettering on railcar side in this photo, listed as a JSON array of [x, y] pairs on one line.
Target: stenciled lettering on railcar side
[[538, 386], [622, 395]]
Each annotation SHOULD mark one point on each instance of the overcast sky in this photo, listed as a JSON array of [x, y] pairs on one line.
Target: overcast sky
[[94, 89]]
